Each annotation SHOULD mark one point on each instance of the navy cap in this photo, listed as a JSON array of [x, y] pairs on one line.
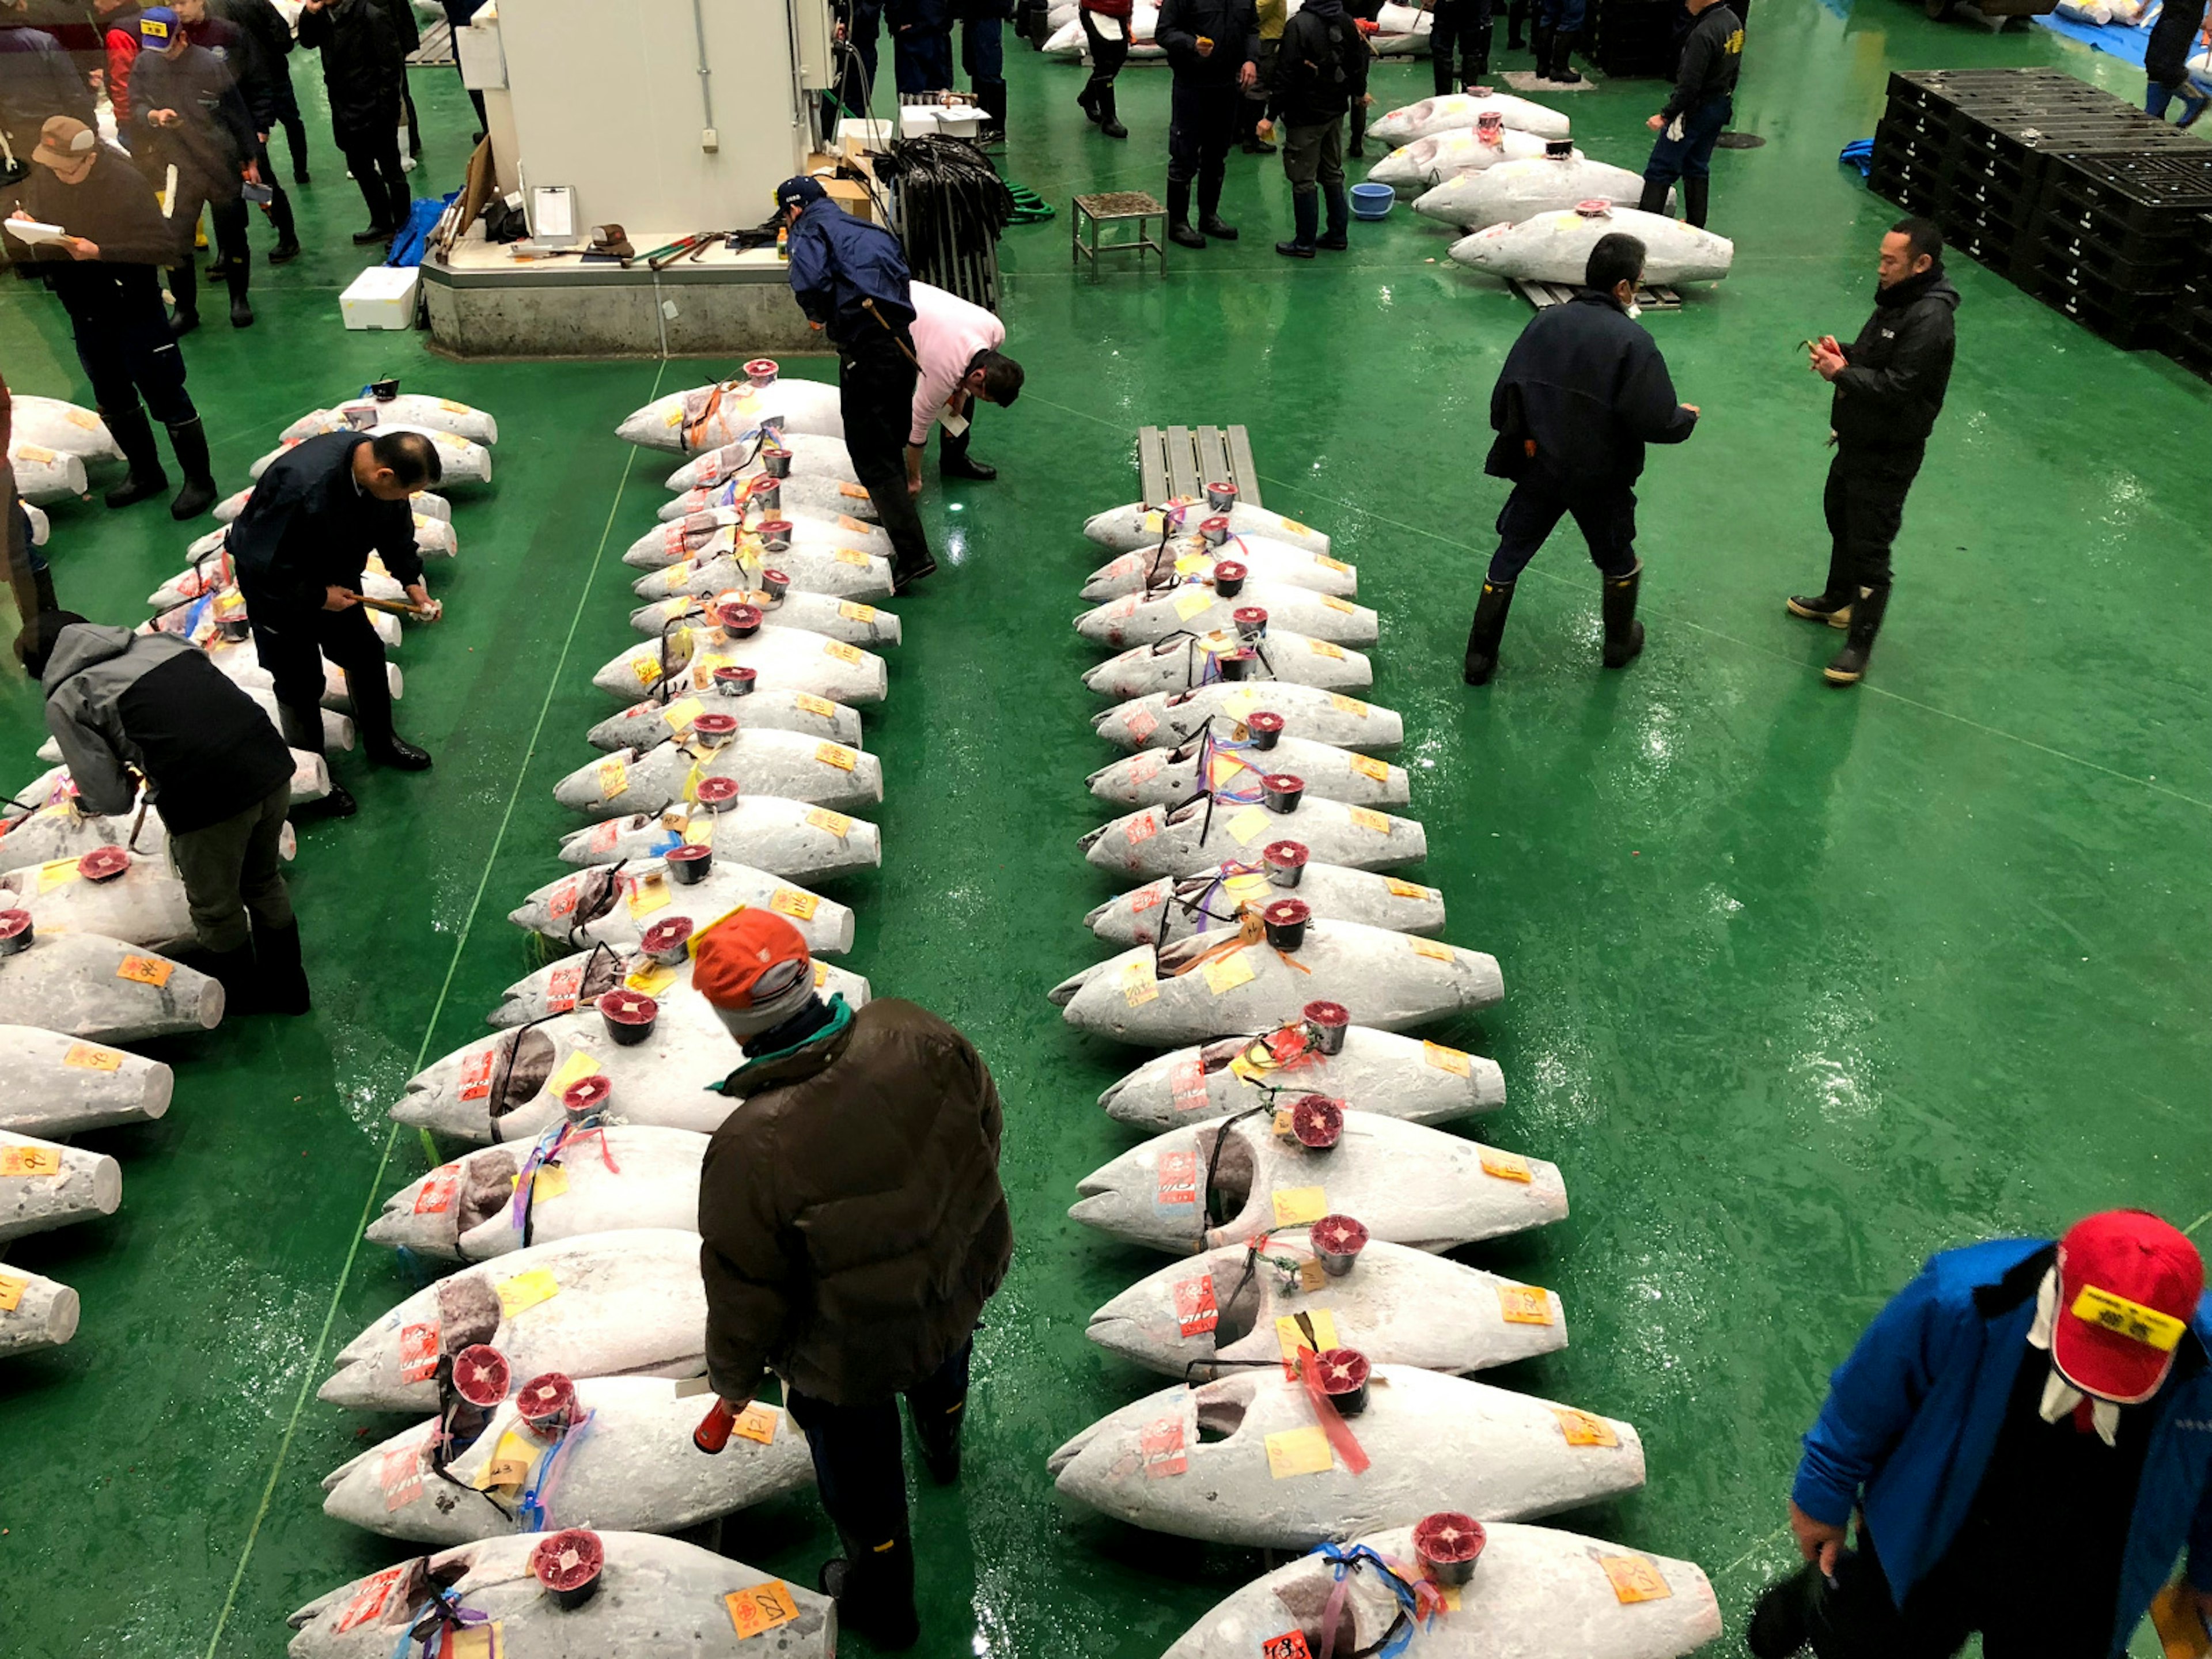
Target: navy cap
[[798, 192]]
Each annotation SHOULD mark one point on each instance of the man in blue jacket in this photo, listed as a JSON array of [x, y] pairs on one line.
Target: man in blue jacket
[[850, 278], [2026, 1434]]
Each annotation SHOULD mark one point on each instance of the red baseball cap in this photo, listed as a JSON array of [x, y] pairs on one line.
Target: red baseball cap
[[2127, 1287], [752, 966]]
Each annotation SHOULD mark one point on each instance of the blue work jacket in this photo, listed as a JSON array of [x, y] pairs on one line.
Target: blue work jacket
[[838, 261]]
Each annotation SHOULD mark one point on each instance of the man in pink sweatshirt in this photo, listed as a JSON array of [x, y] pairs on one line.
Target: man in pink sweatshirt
[[957, 346]]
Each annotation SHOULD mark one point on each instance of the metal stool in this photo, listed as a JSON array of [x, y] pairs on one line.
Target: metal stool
[[1109, 208]]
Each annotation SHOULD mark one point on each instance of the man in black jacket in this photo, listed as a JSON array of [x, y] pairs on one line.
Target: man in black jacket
[[266, 78], [38, 80], [1583, 390], [1889, 387], [1321, 71], [106, 276], [152, 705], [187, 112], [364, 70], [1698, 112], [300, 546], [246, 48], [1214, 47]]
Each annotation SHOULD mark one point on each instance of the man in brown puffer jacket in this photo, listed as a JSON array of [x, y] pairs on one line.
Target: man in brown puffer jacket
[[852, 1228]]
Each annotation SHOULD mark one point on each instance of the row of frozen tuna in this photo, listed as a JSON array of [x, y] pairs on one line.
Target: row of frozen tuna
[[1322, 1341], [1400, 31], [89, 903], [555, 1359]]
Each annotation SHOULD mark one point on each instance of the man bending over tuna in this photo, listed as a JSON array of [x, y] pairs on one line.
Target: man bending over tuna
[[852, 1227]]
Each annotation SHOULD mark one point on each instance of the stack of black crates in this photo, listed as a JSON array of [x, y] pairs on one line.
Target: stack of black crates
[[2079, 196]]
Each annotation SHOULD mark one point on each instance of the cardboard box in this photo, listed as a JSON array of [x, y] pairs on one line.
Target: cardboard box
[[380, 297], [852, 196]]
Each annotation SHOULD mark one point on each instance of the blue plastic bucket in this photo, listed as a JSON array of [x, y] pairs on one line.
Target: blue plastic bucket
[[1372, 201]]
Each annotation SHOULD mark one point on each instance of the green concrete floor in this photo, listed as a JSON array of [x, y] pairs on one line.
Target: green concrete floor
[[1801, 985]]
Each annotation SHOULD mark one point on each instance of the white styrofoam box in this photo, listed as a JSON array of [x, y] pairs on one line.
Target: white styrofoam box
[[856, 137], [917, 120], [383, 296], [960, 121]]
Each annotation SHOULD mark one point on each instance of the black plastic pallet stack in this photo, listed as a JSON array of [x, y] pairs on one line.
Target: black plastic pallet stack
[[2189, 325], [2075, 194]]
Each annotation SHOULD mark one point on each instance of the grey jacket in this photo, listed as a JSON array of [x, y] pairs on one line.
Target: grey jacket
[[117, 700]]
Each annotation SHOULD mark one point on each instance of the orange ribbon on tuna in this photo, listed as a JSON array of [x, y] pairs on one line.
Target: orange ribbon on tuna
[[1341, 1440]]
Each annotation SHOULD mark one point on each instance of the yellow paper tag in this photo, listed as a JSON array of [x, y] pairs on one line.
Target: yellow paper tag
[[1290, 1337], [809, 703], [1409, 889], [1246, 888], [852, 492], [1634, 1578], [525, 1291], [755, 1423], [1344, 606], [551, 1182], [146, 970], [1506, 1166], [476, 1642], [851, 555], [647, 668], [573, 1071], [845, 521], [1370, 768], [1138, 985], [842, 652], [509, 1464], [30, 1160], [1225, 974], [835, 823], [1328, 563], [650, 977], [1240, 702], [1284, 1123], [1524, 1305], [1191, 601], [836, 755], [1447, 1059], [1311, 1276], [650, 894], [59, 872], [11, 1292], [1189, 564], [859, 613], [1248, 825], [1351, 706], [2129, 1318], [699, 832], [1299, 1206], [614, 779], [1432, 951], [91, 1058], [1323, 648], [790, 902], [1299, 1451], [679, 715], [1367, 818], [1583, 1429], [762, 1608]]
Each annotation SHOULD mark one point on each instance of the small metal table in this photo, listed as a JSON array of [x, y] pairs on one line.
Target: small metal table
[[1109, 208]]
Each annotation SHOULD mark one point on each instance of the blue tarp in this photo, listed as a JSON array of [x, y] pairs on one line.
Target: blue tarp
[[2121, 41], [423, 218]]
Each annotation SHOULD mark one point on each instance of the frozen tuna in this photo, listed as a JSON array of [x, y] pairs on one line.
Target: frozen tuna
[[706, 417], [765, 762], [1537, 1593], [1514, 191], [1188, 558], [623, 1461], [784, 659], [656, 1596], [461, 460], [43, 1186], [1126, 529], [1554, 247], [605, 1304], [44, 474], [69, 428], [843, 571], [405, 409], [562, 987], [768, 832], [664, 718], [55, 828], [610, 905], [1242, 1461], [35, 1313], [821, 613], [1168, 720], [809, 493], [1222, 1183], [1216, 900], [141, 904], [1378, 1073], [52, 1085], [1278, 655], [423, 503], [1194, 608], [811, 457], [706, 536], [608, 1180], [1425, 161], [1227, 765], [1240, 1305], [1179, 841], [1450, 111], [101, 989]]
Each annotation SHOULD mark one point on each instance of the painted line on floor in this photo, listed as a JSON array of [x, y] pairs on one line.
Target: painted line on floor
[[429, 1031]]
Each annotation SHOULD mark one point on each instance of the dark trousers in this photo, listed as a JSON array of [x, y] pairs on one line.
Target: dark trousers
[[1202, 127], [123, 339], [374, 160], [1606, 518], [983, 51], [856, 71], [922, 63], [457, 14], [875, 387], [228, 220], [1691, 156], [280, 204], [1107, 56], [1858, 1617], [1864, 503], [234, 868], [859, 1469], [1460, 35], [1560, 16], [292, 643]]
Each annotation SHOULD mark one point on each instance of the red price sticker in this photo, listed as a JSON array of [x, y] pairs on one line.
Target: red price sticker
[[476, 1074], [369, 1600], [563, 902], [561, 989], [438, 1190], [418, 1353], [1143, 827], [1290, 1644], [1161, 1445], [1178, 1182], [1187, 1079], [1143, 724], [400, 1474], [1195, 1313], [762, 1608]]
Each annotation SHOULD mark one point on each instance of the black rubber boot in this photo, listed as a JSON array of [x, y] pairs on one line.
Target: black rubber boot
[[1653, 199], [1482, 639], [233, 971], [1209, 214], [1540, 42], [1089, 102], [371, 693], [939, 1435], [287, 230], [953, 462], [1624, 634], [303, 730], [282, 977], [236, 274], [1482, 45], [374, 234], [1337, 237], [1563, 69], [1179, 230], [992, 95], [134, 436], [1517, 19], [185, 297], [1440, 66], [42, 584], [1305, 211], [1832, 604], [1108, 122], [189, 439], [1850, 665], [874, 1589], [1697, 197], [1357, 148], [1779, 1623]]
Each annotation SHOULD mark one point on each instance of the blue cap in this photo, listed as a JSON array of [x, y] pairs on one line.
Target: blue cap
[[798, 192], [157, 25]]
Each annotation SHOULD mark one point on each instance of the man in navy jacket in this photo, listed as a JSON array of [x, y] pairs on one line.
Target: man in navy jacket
[[2025, 1433]]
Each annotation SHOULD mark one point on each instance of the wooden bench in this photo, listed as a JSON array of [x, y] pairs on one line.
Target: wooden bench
[[1178, 462]]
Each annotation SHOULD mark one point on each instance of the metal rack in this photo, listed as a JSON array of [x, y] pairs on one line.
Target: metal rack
[[1177, 462]]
